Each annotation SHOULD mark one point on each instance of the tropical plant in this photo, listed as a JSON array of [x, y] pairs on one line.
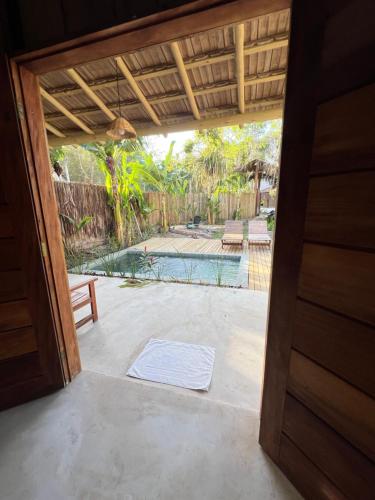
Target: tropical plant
[[79, 224], [109, 157]]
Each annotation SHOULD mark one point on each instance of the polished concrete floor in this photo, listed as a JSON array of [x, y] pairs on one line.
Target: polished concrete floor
[[106, 438], [233, 321], [110, 437]]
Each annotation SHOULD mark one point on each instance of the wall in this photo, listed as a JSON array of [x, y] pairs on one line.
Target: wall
[[38, 23], [318, 410]]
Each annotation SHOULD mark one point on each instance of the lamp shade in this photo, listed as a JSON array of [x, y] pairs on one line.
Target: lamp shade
[[121, 129]]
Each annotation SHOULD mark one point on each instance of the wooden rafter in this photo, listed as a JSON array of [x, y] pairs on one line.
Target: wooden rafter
[[213, 57], [240, 66], [185, 79], [65, 111], [54, 130], [137, 91], [90, 93], [229, 116], [173, 96]]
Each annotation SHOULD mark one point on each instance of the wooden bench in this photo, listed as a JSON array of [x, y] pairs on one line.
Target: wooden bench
[[83, 298]]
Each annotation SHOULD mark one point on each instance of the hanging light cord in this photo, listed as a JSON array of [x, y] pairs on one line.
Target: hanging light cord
[[118, 89]]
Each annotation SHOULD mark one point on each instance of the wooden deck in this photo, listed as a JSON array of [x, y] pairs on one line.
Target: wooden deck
[[259, 259], [187, 245], [259, 267]]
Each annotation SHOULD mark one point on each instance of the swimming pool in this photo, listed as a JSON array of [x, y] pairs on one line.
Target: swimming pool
[[228, 270]]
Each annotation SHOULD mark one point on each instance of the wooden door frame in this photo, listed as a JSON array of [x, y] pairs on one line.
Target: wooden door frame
[[195, 17]]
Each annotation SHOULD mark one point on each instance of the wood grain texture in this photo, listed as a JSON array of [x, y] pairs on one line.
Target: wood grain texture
[[19, 369], [6, 222], [17, 342], [305, 476], [343, 346], [23, 292], [338, 214], [346, 467], [350, 65], [63, 331], [14, 315], [9, 255], [349, 411], [339, 279], [12, 285], [171, 29], [298, 133], [343, 133]]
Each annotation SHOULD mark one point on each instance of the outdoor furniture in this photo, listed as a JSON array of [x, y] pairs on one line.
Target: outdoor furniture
[[258, 233], [194, 223], [81, 298], [233, 233]]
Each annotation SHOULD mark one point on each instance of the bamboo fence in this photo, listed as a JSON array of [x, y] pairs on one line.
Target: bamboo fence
[[77, 200]]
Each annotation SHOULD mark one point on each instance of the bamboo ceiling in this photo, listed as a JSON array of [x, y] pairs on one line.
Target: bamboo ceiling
[[232, 75]]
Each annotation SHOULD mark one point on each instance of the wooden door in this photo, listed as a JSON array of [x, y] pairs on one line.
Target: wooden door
[[318, 410]]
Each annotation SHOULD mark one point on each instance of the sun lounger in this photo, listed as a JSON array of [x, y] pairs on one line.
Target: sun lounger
[[258, 233], [233, 233]]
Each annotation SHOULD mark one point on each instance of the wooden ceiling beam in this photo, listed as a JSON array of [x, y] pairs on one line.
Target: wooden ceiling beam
[[214, 57], [239, 32], [173, 96], [137, 91], [226, 120], [185, 79], [65, 111], [90, 93], [53, 130]]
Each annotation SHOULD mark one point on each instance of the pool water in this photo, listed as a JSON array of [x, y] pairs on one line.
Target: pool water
[[189, 268]]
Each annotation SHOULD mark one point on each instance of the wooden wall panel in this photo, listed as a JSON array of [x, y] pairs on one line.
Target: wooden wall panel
[[311, 481], [340, 209], [342, 345], [344, 133], [348, 410], [339, 279], [347, 468]]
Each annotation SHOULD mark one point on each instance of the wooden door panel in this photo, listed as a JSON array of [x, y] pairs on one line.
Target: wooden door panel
[[342, 345], [348, 469], [339, 404], [336, 214], [310, 481], [18, 342], [339, 279], [30, 363]]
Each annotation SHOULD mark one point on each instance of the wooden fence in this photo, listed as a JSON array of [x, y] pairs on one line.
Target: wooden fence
[[77, 200]]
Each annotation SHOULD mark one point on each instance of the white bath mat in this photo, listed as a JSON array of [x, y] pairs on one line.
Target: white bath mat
[[175, 363]]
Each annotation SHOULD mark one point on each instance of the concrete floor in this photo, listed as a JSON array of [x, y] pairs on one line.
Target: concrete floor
[[105, 438], [231, 320], [110, 437]]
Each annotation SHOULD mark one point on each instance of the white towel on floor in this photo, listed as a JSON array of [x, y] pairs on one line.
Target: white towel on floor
[[175, 363]]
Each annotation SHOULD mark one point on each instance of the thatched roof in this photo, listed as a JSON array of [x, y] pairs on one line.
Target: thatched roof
[[226, 76], [266, 170]]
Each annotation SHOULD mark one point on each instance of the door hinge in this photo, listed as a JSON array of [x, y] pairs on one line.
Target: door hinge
[[20, 111], [44, 249]]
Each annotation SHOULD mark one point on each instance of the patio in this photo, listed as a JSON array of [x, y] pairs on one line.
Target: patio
[[231, 320]]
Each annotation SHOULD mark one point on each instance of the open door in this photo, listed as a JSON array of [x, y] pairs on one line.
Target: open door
[[30, 353], [318, 411]]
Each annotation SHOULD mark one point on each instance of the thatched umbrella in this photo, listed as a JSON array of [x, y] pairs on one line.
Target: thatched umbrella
[[257, 170]]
